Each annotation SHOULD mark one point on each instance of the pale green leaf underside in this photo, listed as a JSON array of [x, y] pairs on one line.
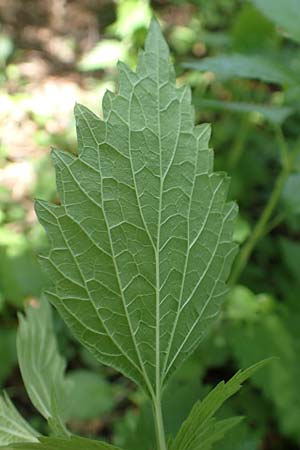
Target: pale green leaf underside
[[141, 245], [73, 443], [13, 428], [40, 363]]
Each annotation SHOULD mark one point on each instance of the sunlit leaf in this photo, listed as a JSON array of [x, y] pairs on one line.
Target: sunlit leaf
[[285, 13], [290, 194], [73, 443], [274, 114], [246, 66], [91, 395]]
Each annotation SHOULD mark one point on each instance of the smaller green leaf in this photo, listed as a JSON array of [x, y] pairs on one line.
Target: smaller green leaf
[[41, 365], [285, 13], [244, 40], [13, 428], [201, 430], [246, 66], [73, 443], [274, 114]]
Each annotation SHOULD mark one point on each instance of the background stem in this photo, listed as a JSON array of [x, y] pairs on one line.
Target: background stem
[[262, 225]]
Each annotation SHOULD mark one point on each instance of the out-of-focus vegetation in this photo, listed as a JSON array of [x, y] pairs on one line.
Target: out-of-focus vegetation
[[242, 60]]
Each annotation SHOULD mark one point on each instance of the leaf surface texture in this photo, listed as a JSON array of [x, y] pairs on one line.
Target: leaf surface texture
[[41, 365], [13, 428], [141, 245]]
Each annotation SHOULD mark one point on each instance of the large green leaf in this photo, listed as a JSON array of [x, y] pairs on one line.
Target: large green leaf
[[40, 363], [13, 428], [141, 245], [73, 443], [246, 66], [201, 429], [285, 13]]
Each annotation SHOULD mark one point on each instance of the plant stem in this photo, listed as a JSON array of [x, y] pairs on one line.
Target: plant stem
[[263, 222], [159, 424], [259, 229]]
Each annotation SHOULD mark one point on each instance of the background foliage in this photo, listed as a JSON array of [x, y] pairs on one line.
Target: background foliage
[[242, 60]]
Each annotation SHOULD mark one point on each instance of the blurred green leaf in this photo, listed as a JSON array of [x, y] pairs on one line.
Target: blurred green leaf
[[290, 251], [244, 304], [73, 443], [274, 114], [284, 13], [246, 66], [91, 396], [20, 274], [241, 230]]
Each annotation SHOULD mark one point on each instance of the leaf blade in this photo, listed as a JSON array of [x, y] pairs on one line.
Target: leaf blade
[[142, 242], [73, 443], [41, 365], [13, 428]]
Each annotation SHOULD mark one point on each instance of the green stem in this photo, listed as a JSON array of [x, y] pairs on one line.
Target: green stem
[[263, 222], [159, 424], [275, 222]]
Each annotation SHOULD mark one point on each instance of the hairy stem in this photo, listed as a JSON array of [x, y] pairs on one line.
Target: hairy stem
[[263, 223], [159, 424]]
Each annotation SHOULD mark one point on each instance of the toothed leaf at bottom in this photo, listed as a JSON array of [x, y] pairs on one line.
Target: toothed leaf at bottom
[[201, 429], [141, 244]]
